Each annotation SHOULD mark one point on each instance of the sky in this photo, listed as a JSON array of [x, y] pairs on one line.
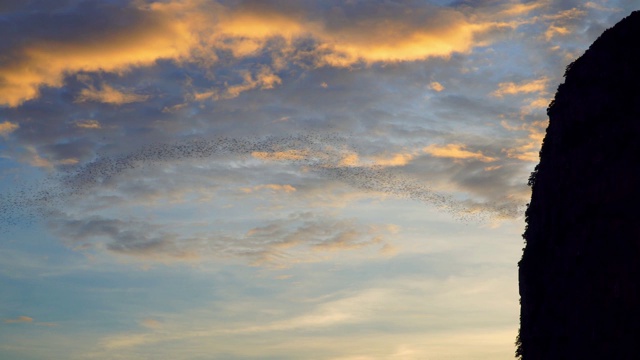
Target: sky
[[323, 180]]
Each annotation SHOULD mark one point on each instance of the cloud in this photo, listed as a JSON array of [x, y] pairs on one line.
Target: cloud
[[518, 9], [31, 156], [554, 30], [539, 103], [525, 87], [65, 43], [600, 7], [7, 128], [96, 196], [151, 323], [274, 187], [306, 231], [356, 308], [263, 79], [339, 310], [436, 86], [108, 95], [19, 319], [299, 237], [372, 33], [89, 124], [126, 341], [456, 151], [281, 155], [400, 159], [529, 147], [132, 238], [140, 34]]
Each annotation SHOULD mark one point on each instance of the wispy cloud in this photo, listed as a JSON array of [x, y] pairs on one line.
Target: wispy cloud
[[436, 86], [19, 319], [524, 87], [88, 124], [108, 95], [7, 128], [456, 151]]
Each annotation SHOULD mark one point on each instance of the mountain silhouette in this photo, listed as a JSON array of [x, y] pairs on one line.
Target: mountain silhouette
[[580, 269]]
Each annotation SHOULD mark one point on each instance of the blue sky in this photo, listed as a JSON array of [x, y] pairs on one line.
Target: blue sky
[[344, 180]]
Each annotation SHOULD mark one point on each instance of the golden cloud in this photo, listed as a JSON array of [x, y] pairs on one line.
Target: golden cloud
[[37, 62], [542, 102], [350, 160], [516, 9], [281, 155], [436, 86], [109, 95], [554, 30], [7, 128], [194, 30], [456, 151], [399, 159], [385, 160], [264, 79], [529, 148], [32, 157], [512, 88]]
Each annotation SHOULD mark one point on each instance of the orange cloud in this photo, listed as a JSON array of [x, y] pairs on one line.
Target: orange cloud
[[521, 9], [554, 30], [36, 63], [529, 148], [350, 160], [264, 79], [194, 30], [280, 155], [542, 102], [399, 159], [456, 151], [33, 158], [342, 41], [389, 42], [109, 95], [7, 128], [512, 88], [394, 159], [436, 86]]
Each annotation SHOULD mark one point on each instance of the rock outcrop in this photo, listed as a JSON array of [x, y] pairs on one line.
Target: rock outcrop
[[580, 271]]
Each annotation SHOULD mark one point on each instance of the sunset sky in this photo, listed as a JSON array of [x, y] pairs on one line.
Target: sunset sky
[[323, 180]]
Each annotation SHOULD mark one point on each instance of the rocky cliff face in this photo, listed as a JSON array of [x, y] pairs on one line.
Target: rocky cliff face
[[580, 271]]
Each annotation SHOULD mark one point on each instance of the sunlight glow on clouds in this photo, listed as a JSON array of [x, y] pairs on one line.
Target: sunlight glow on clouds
[[7, 128], [512, 88], [272, 179], [456, 151], [195, 31], [108, 95]]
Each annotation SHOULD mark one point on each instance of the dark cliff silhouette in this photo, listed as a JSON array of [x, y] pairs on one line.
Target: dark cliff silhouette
[[580, 270]]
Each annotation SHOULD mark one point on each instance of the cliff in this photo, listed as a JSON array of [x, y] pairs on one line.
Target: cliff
[[580, 270]]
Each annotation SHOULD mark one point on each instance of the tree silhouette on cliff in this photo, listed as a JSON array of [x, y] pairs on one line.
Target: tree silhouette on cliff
[[580, 270]]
